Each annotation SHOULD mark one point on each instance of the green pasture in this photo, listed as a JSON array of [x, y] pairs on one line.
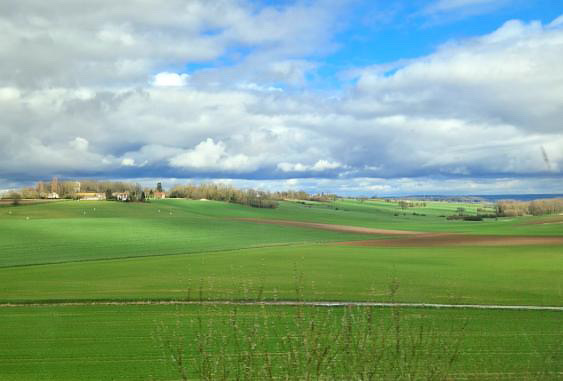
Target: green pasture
[[524, 275], [79, 231], [180, 249], [125, 342]]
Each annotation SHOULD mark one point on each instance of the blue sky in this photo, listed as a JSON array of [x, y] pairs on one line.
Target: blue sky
[[345, 96]]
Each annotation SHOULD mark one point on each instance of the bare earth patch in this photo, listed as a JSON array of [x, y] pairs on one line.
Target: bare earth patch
[[415, 238], [331, 227]]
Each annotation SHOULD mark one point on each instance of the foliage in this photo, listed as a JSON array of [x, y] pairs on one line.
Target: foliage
[[120, 342], [355, 343], [16, 197], [221, 192], [535, 208]]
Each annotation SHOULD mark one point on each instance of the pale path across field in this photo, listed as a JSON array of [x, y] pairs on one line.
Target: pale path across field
[[331, 227], [410, 238], [282, 303]]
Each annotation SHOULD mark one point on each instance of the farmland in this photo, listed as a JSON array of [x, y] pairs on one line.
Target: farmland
[[80, 251]]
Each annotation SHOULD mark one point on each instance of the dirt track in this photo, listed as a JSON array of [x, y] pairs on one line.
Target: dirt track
[[416, 238], [436, 240], [331, 227], [282, 303]]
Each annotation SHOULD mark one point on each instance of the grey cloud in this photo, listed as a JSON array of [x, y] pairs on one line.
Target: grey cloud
[[65, 43]]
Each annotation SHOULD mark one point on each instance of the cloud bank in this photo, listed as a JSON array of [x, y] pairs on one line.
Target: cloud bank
[[106, 90]]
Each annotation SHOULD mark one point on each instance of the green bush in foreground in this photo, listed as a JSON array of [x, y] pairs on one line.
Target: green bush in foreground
[[318, 343]]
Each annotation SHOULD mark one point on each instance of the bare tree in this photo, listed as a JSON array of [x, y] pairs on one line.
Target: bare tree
[[54, 184]]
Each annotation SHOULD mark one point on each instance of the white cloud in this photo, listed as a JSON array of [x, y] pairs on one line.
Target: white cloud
[[320, 165], [441, 11], [128, 162], [209, 155], [323, 165], [256, 87], [79, 144], [83, 99], [166, 79], [118, 43], [449, 5]]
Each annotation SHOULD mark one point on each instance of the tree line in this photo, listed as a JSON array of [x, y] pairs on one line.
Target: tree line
[[511, 208], [70, 189], [210, 191], [224, 192], [250, 197]]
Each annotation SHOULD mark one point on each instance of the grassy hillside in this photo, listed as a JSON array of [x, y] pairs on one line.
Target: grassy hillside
[[77, 231], [74, 231]]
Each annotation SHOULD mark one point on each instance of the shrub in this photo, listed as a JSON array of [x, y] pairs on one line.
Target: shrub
[[473, 218], [307, 343]]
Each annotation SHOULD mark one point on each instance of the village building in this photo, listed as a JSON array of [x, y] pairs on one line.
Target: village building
[[121, 196], [53, 195], [159, 195], [91, 196], [76, 186]]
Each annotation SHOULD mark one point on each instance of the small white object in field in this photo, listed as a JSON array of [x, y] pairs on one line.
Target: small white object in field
[[27, 218]]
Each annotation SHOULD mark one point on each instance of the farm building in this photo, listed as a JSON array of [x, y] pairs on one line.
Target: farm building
[[76, 186], [91, 196], [159, 195], [53, 195], [121, 196]]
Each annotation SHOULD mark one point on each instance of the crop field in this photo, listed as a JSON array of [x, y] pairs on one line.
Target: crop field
[[90, 252]]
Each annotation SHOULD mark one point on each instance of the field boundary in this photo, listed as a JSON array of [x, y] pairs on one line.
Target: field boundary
[[288, 303], [132, 257]]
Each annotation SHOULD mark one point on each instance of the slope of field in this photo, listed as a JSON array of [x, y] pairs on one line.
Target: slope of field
[[376, 215], [75, 231]]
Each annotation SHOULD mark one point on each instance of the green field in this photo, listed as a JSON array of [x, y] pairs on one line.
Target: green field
[[93, 343], [431, 275], [180, 249]]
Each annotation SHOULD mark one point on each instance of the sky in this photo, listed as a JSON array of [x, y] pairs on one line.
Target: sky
[[374, 97]]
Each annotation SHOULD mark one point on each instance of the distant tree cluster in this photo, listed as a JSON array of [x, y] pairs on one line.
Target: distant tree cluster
[[223, 192], [534, 208], [404, 204], [302, 195], [251, 197], [69, 189]]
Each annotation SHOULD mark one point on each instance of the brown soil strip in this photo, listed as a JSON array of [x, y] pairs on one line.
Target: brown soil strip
[[331, 227], [282, 303], [445, 239], [416, 238]]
